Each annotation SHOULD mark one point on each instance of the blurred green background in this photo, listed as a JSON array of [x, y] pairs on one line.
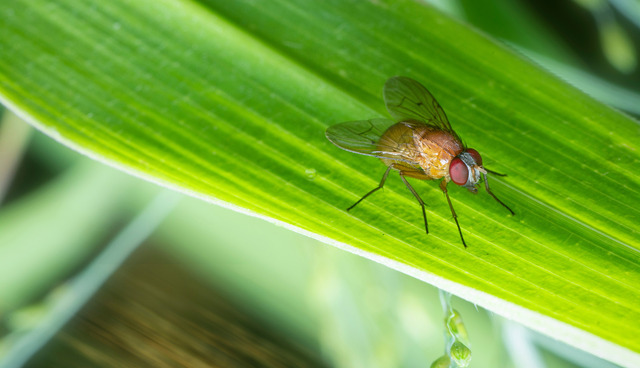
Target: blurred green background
[[59, 211]]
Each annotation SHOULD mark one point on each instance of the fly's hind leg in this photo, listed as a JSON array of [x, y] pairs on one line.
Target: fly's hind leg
[[384, 178], [415, 194]]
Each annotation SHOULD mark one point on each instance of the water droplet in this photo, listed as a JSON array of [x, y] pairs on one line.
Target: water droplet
[[311, 173]]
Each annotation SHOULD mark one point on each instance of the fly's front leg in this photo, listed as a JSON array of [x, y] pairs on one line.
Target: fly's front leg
[[486, 185], [443, 186]]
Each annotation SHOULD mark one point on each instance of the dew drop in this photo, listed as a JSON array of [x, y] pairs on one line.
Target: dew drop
[[311, 173]]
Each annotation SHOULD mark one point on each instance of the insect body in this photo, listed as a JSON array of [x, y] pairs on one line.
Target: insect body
[[420, 143]]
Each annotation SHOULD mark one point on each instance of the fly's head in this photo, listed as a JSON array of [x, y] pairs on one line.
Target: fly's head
[[465, 169]]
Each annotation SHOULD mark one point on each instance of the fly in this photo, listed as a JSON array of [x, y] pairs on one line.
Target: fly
[[418, 143]]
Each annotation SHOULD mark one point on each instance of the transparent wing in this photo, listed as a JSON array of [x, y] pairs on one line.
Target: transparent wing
[[407, 99], [365, 137]]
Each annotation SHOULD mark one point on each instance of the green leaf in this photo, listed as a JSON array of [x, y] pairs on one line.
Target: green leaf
[[228, 101]]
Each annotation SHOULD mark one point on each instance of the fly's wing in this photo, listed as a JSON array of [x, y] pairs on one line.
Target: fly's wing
[[409, 100], [365, 137]]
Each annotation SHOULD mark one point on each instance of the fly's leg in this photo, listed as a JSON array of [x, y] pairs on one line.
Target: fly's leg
[[384, 178], [486, 185], [443, 186], [415, 194]]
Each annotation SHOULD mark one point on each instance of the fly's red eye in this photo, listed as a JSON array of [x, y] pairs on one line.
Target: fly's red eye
[[476, 156], [459, 171]]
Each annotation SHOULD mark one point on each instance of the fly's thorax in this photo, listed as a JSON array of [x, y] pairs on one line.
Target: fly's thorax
[[437, 148]]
